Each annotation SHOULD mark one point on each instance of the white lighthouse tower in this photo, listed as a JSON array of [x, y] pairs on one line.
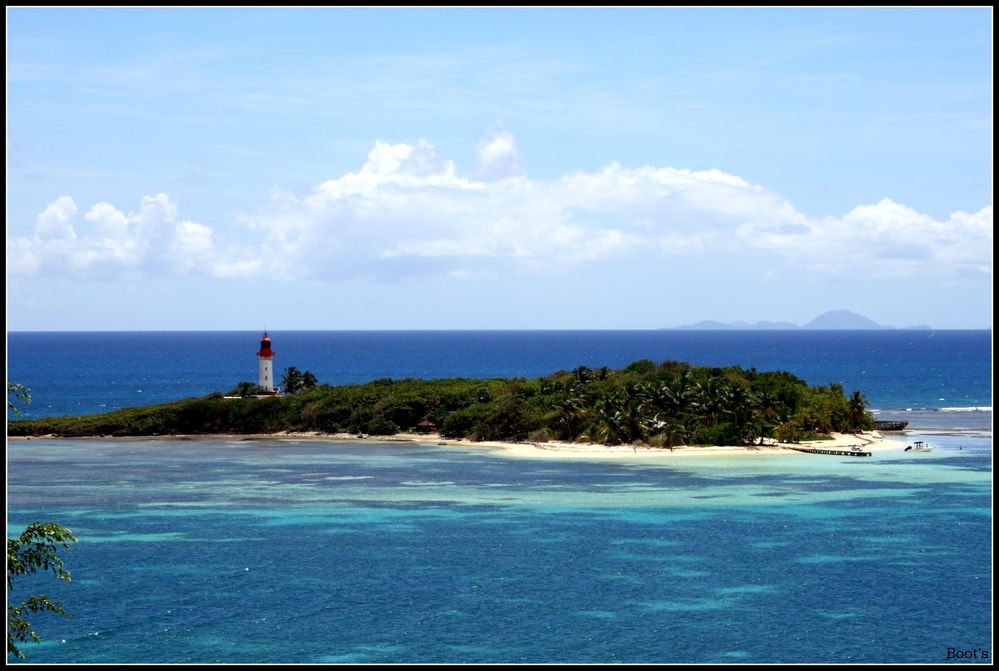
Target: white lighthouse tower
[[266, 357]]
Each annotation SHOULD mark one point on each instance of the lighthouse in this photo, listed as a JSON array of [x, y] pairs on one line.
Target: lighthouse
[[266, 357]]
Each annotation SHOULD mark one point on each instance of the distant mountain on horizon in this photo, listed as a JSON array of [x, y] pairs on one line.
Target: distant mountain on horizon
[[834, 320], [843, 319]]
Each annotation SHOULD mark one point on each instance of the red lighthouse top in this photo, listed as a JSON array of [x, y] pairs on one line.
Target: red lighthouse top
[[265, 347]]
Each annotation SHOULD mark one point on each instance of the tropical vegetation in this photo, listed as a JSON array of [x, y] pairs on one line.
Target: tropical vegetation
[[665, 405], [36, 549]]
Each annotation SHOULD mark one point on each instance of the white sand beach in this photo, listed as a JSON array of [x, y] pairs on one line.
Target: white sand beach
[[868, 442]]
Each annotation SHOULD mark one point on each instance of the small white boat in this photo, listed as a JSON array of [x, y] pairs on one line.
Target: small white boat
[[919, 446]]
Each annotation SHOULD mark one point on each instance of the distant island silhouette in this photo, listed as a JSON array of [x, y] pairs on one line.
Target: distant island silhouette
[[842, 320]]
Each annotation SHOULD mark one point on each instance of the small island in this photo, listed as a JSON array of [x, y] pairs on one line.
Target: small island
[[833, 320], [646, 404]]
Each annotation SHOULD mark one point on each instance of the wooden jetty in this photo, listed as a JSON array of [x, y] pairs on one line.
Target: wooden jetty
[[841, 453]]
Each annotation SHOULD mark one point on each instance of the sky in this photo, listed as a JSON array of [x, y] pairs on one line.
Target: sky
[[203, 169]]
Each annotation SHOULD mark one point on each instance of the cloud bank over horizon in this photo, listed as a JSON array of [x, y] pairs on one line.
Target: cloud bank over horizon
[[407, 212]]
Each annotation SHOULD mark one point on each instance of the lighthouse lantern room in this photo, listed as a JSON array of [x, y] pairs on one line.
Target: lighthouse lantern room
[[266, 357]]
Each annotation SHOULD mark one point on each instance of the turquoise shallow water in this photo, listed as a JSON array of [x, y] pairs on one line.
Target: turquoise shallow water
[[268, 551]]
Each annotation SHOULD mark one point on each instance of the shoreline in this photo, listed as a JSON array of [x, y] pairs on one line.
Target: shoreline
[[868, 441]]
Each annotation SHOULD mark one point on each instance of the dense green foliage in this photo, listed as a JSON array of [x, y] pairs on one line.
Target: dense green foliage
[[243, 389], [665, 404], [295, 381], [292, 380], [34, 550]]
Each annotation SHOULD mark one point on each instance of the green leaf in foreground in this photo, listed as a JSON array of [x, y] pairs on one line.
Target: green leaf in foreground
[[36, 549]]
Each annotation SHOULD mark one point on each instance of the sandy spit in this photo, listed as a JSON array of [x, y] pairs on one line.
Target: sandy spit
[[869, 442]]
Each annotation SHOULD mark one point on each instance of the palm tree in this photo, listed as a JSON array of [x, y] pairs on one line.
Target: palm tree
[[632, 410], [712, 397], [743, 405], [679, 392], [617, 418], [309, 381], [858, 411], [654, 397], [667, 430], [672, 432], [572, 413], [769, 405], [292, 380]]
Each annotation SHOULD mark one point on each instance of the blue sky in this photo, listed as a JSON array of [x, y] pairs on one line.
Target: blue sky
[[173, 169]]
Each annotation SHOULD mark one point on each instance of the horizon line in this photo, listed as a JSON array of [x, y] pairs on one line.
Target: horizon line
[[502, 330]]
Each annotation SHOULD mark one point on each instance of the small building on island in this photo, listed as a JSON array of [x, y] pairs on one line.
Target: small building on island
[[266, 357]]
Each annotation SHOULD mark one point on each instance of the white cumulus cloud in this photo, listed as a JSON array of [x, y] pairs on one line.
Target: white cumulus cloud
[[111, 243], [109, 222], [497, 156], [56, 221], [407, 212]]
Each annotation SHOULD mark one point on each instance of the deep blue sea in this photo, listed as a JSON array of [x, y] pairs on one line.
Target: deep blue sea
[[302, 551], [82, 373]]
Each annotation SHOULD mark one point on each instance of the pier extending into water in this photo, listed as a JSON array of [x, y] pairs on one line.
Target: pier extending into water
[[842, 453]]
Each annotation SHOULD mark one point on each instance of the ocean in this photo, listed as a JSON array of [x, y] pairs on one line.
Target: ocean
[[298, 551], [83, 373]]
